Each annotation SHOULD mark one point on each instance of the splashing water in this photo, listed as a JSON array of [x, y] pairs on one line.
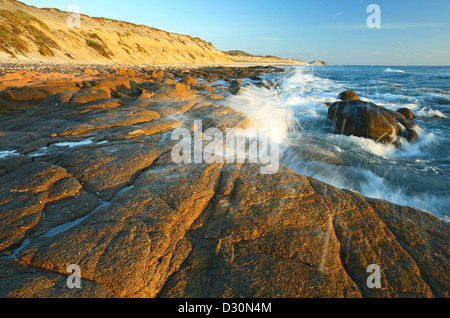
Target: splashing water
[[414, 174], [267, 110]]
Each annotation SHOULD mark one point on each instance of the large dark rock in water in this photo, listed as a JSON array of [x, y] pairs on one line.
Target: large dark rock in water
[[354, 117]]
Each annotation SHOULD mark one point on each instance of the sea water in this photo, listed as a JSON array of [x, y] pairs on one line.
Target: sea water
[[415, 174]]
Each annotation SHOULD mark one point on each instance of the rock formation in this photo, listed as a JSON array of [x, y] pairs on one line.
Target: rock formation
[[318, 63], [88, 179], [235, 87], [406, 112], [351, 116]]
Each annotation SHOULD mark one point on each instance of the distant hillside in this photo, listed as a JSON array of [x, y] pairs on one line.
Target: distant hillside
[[244, 57], [28, 33], [238, 53], [318, 63]]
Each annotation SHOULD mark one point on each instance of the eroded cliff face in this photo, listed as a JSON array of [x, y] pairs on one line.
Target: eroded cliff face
[[29, 33], [32, 34], [87, 178]]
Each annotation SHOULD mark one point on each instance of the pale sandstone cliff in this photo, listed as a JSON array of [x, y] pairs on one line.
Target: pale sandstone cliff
[[28, 33], [43, 34]]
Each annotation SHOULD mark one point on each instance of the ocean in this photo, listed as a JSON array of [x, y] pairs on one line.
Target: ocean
[[415, 174]]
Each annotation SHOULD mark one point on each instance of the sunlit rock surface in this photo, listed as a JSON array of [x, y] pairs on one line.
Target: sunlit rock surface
[[89, 180]]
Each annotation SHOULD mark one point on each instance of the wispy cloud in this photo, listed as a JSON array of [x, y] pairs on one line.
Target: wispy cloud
[[270, 39]]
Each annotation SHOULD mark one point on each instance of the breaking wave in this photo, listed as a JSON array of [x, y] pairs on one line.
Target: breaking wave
[[414, 174]]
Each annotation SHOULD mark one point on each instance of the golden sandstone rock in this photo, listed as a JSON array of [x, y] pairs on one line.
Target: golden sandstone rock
[[95, 186]]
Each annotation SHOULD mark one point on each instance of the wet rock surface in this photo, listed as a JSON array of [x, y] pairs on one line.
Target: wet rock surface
[[351, 116], [92, 183]]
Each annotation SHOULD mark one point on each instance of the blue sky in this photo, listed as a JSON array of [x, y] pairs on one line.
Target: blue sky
[[412, 32]]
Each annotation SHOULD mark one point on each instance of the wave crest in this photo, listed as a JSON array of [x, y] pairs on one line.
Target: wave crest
[[390, 70]]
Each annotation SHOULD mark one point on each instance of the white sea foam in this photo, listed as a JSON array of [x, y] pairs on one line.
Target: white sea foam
[[421, 147], [411, 106], [390, 70], [266, 110], [371, 146], [429, 113], [298, 103], [430, 203]]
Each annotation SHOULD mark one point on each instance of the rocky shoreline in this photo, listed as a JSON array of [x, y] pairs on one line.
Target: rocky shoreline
[[87, 179]]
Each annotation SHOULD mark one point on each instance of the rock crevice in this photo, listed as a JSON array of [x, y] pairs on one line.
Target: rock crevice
[[94, 184]]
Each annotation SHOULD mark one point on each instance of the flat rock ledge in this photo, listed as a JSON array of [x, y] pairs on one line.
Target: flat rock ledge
[[87, 179]]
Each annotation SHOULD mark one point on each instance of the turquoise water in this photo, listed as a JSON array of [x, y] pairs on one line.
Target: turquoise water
[[414, 174]]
